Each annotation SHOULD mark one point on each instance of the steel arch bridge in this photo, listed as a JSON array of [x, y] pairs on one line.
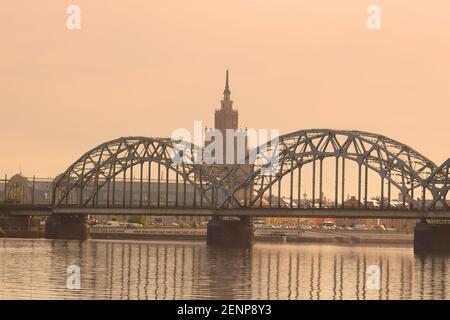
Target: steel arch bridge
[[396, 164], [144, 172], [101, 168]]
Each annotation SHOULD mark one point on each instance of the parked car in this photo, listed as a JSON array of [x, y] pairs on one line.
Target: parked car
[[113, 223], [328, 225], [259, 223], [134, 225]]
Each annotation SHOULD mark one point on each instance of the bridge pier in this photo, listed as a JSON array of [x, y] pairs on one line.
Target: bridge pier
[[230, 233], [68, 227], [431, 238]]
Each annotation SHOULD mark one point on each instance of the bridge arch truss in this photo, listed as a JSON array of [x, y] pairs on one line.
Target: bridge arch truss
[[397, 166], [142, 172], [136, 172]]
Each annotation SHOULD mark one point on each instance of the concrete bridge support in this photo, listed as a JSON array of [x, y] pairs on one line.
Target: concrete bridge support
[[69, 227], [431, 238], [230, 233]]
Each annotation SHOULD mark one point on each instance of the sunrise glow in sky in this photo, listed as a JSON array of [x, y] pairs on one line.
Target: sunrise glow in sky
[[146, 68]]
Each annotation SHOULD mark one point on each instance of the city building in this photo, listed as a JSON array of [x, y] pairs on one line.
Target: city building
[[20, 189], [227, 118]]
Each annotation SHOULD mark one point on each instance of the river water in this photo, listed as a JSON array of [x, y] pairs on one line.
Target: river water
[[37, 269]]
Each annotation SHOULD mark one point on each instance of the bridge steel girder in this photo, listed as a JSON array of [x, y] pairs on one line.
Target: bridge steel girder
[[101, 165], [440, 178], [260, 212], [11, 209], [400, 165]]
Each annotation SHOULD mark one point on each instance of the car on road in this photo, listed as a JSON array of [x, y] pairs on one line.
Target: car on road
[[327, 225], [259, 223], [113, 223], [134, 225], [360, 227]]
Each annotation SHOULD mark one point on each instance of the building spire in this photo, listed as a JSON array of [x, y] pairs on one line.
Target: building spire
[[227, 91]]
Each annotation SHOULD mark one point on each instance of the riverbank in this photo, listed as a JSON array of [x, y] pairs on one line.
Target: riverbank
[[274, 236], [26, 234], [263, 236], [305, 237]]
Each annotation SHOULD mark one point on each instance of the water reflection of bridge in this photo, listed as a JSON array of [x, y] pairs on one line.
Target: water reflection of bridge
[[113, 270], [139, 271]]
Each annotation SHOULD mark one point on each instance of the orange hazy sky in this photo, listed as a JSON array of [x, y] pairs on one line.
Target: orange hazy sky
[[145, 67]]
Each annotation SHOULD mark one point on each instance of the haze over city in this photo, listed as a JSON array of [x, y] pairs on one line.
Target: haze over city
[[147, 68], [129, 168]]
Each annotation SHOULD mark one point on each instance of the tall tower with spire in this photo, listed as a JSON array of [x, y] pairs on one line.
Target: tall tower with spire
[[226, 117]]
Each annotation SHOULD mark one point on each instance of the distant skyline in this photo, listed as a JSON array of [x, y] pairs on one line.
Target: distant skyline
[[150, 67]]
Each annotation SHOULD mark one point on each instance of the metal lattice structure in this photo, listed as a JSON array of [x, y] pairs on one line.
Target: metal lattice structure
[[114, 165], [440, 179], [109, 167], [398, 166]]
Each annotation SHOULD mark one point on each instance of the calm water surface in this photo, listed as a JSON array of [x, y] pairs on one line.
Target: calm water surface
[[36, 269]]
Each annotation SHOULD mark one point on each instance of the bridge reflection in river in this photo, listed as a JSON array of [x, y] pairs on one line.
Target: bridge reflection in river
[[172, 270]]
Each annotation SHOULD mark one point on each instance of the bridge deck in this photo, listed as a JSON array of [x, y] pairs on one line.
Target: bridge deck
[[264, 212], [375, 213]]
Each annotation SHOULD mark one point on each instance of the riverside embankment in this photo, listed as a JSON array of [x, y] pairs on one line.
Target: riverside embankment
[[261, 235]]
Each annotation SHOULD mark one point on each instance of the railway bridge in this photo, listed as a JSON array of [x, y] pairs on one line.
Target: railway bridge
[[160, 176]]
